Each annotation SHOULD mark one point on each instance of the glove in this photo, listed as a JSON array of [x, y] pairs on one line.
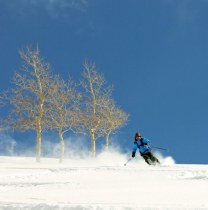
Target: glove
[[133, 154], [149, 148]]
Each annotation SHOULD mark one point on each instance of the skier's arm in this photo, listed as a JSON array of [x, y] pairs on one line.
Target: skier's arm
[[147, 142], [134, 149]]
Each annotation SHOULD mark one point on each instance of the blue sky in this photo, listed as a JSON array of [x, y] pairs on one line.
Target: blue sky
[[155, 53]]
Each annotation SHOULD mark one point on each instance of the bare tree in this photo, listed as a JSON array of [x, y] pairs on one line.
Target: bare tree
[[29, 95], [61, 112], [113, 118], [90, 116]]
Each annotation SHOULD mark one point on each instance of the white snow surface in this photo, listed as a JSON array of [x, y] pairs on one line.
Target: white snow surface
[[101, 183]]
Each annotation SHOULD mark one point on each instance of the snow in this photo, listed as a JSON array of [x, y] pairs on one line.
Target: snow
[[101, 183]]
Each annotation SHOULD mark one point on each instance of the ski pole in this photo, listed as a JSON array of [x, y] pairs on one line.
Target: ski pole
[[127, 161], [159, 148]]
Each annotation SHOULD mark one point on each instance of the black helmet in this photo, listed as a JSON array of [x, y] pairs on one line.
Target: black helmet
[[138, 134]]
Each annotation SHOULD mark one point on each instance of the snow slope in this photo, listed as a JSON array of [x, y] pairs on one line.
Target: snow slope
[[104, 183]]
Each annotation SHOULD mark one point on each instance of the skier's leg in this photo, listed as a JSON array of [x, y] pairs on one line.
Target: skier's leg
[[153, 158], [146, 158]]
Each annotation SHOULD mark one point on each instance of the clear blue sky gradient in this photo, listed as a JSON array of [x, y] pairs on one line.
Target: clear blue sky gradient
[[155, 53]]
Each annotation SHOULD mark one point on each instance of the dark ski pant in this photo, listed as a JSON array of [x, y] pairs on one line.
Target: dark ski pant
[[150, 158]]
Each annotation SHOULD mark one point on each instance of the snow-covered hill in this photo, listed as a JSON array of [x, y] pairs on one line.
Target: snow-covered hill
[[104, 183]]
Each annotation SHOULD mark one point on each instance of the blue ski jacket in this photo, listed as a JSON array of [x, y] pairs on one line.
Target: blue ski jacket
[[143, 146]]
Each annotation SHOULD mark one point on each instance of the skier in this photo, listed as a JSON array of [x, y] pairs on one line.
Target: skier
[[142, 144]]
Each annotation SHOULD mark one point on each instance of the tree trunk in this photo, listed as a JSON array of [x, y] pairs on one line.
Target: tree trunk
[[38, 141], [93, 144], [39, 133], [40, 115], [61, 145], [107, 142]]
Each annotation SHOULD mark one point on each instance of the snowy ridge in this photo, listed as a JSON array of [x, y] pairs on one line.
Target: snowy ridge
[[104, 183], [86, 207]]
